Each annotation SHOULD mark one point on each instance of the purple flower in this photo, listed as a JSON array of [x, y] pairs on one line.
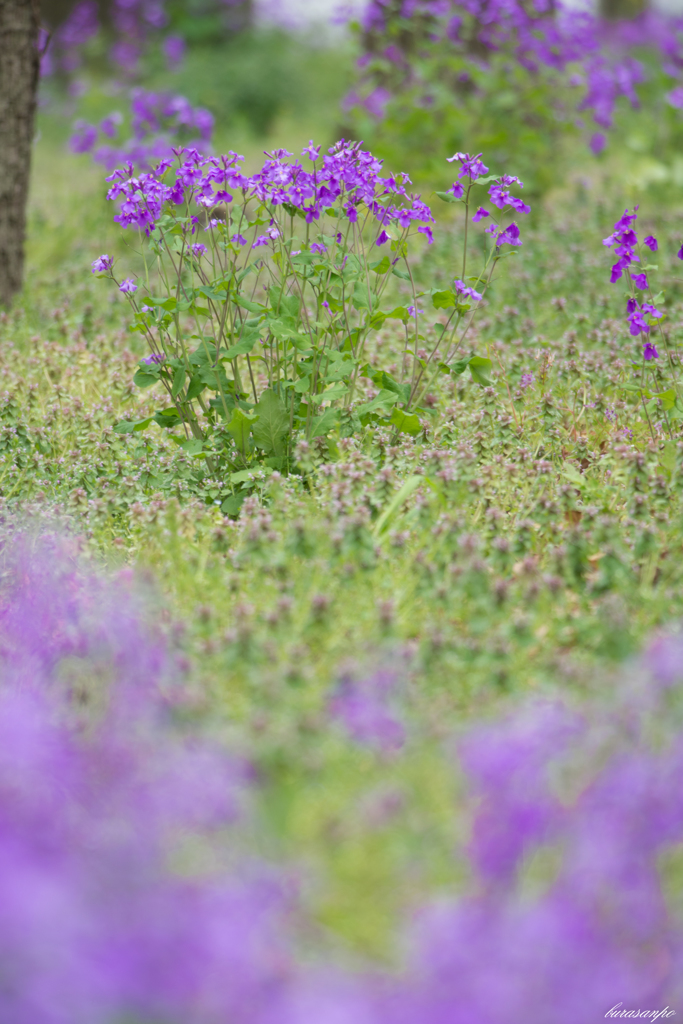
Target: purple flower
[[198, 249], [510, 236], [154, 358], [640, 280], [174, 51], [319, 248], [311, 151], [128, 286], [597, 143], [651, 243], [83, 138], [414, 311], [480, 214], [649, 351], [680, 253], [426, 230], [102, 264], [464, 289], [526, 380], [382, 238], [261, 240], [363, 708]]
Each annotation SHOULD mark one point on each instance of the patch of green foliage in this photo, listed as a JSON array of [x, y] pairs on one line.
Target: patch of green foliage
[[525, 541]]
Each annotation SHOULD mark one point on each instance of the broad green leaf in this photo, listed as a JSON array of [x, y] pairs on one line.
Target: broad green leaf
[[243, 476], [399, 313], [251, 307], [444, 300], [195, 387], [193, 447], [459, 366], [244, 345], [667, 399], [145, 378], [447, 197], [382, 402], [240, 427], [272, 424], [323, 424], [166, 418], [407, 423], [130, 426], [381, 266], [480, 368]]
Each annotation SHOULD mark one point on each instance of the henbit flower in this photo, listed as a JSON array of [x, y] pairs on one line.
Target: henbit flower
[[649, 351], [128, 286], [102, 264], [651, 243], [480, 214], [526, 381]]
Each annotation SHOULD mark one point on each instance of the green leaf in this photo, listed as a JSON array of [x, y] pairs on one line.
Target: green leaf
[[145, 378], [193, 447], [381, 266], [244, 476], [178, 381], [668, 457], [251, 307], [399, 313], [383, 402], [129, 426], [232, 505], [447, 197], [323, 424], [572, 473], [444, 300], [195, 388], [240, 427], [166, 418], [480, 368], [401, 496], [272, 424], [244, 345], [460, 366], [403, 274], [407, 423], [667, 399], [361, 299]]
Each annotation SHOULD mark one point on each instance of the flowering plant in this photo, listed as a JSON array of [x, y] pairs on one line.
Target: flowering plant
[[259, 331], [643, 316]]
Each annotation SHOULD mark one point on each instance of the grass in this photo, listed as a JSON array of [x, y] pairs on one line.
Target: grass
[[541, 547]]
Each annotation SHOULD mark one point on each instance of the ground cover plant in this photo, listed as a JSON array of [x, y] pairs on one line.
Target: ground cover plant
[[375, 712]]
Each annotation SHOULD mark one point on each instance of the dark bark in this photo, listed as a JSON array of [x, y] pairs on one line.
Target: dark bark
[[19, 71]]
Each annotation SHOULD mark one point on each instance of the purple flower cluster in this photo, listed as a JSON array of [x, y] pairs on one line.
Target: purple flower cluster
[[624, 241], [593, 55], [471, 170], [347, 179], [565, 916], [96, 788], [159, 122]]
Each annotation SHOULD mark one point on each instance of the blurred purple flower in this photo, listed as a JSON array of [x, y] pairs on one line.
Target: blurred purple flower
[[364, 709]]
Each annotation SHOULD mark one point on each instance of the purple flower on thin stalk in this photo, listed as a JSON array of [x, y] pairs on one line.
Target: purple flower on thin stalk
[[649, 351], [128, 286], [480, 214], [464, 289], [102, 264], [651, 243], [154, 359], [640, 280]]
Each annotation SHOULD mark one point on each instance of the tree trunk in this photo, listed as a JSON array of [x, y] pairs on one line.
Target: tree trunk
[[19, 71]]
